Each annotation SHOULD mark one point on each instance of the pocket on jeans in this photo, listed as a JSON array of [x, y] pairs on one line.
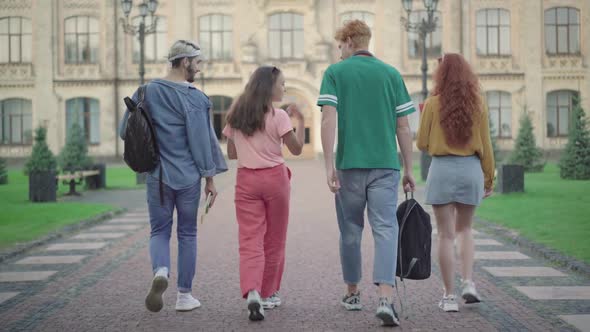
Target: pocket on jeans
[[288, 172]]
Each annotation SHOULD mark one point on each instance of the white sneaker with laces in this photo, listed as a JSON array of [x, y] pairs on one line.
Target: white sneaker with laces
[[271, 302], [255, 308], [186, 302], [154, 301], [469, 293], [449, 304]]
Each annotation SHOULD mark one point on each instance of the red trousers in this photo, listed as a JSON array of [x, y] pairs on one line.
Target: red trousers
[[262, 210]]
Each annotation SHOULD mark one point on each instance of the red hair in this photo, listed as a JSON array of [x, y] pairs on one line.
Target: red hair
[[458, 89]]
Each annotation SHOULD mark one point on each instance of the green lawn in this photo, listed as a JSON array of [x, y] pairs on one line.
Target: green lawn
[[552, 211], [21, 220], [121, 177]]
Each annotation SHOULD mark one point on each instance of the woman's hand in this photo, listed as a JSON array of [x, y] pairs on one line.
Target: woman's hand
[[293, 110], [488, 192]]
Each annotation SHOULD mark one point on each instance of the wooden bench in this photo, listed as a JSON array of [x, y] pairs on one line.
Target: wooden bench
[[76, 178]]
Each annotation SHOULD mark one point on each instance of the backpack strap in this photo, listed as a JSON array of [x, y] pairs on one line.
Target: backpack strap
[[141, 93]]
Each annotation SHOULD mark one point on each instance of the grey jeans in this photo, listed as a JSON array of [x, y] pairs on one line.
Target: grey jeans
[[377, 190]]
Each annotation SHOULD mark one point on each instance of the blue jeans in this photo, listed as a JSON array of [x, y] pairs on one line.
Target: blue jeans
[[377, 190], [186, 202]]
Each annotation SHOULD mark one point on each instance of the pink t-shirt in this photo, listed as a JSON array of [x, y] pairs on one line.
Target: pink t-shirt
[[264, 148]]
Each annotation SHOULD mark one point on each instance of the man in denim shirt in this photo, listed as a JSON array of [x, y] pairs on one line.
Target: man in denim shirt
[[189, 151]]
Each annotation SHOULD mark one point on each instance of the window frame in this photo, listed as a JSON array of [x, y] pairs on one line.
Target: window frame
[[20, 35], [292, 30], [22, 114], [154, 35], [501, 109], [422, 13], [87, 118], [570, 106], [498, 30], [211, 32], [556, 27]]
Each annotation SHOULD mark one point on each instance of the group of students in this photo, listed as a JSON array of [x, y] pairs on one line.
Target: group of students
[[367, 101]]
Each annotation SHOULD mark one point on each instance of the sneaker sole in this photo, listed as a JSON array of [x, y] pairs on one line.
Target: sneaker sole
[[269, 306], [452, 309], [387, 319], [352, 307], [470, 298], [255, 314], [153, 301], [187, 309]]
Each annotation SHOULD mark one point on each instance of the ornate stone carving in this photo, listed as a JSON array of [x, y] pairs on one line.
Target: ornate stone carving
[[565, 62], [215, 2], [15, 4], [81, 4], [16, 72], [83, 71]]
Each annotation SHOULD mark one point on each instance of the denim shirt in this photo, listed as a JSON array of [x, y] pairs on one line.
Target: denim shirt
[[188, 146]]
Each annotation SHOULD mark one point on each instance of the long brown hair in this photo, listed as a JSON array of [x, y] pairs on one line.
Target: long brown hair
[[458, 89], [249, 110]]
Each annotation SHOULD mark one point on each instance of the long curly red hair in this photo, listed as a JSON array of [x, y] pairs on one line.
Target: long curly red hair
[[459, 94]]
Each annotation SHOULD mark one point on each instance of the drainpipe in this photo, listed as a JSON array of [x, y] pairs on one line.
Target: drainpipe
[[116, 80]]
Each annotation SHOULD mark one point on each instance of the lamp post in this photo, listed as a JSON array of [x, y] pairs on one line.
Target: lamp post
[[422, 27], [146, 7]]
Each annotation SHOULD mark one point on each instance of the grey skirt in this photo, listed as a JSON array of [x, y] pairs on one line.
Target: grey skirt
[[455, 179]]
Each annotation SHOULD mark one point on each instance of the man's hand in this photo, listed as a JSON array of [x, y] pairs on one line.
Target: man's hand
[[488, 192], [210, 189], [409, 183], [332, 179]]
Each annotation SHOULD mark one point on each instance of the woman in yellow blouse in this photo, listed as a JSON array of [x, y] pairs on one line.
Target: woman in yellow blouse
[[454, 129]]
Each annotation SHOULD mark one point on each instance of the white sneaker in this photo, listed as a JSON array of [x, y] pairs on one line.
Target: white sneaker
[[186, 302], [271, 302], [153, 301], [255, 309], [469, 293], [449, 304]]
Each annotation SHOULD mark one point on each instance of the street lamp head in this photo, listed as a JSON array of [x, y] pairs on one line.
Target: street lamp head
[[143, 9], [407, 5], [126, 5], [152, 6], [430, 4]]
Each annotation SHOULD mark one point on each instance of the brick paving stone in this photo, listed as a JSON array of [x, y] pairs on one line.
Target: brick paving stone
[[486, 242], [524, 271], [499, 255], [129, 221], [25, 276], [109, 228], [76, 246], [5, 296], [91, 236], [581, 322], [556, 292], [40, 260]]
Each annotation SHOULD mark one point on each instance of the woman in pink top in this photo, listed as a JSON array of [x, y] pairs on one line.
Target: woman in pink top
[[256, 132]]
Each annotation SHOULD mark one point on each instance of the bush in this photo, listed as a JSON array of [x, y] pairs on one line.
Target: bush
[[3, 171], [42, 159], [526, 153], [74, 155], [575, 161]]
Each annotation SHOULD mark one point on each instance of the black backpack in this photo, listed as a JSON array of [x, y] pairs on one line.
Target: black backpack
[[141, 146], [414, 242]]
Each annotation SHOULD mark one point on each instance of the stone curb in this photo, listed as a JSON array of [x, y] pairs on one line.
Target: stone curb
[[62, 232], [552, 255]]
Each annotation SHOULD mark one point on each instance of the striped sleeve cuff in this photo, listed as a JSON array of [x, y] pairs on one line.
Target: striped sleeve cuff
[[327, 100], [404, 107]]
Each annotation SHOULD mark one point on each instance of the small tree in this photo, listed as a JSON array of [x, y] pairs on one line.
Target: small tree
[[74, 155], [575, 161], [526, 153], [42, 159], [3, 171]]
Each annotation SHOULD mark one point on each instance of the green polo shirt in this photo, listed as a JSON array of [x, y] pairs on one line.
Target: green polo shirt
[[369, 96]]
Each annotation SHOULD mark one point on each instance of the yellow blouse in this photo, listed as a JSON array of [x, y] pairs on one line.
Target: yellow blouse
[[431, 138]]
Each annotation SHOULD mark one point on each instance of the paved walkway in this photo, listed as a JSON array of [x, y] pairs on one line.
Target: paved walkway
[[96, 280]]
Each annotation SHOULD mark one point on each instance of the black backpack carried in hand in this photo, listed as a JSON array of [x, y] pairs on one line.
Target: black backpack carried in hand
[[414, 242], [141, 147]]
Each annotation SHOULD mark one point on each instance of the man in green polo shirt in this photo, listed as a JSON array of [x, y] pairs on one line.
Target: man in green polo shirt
[[369, 101]]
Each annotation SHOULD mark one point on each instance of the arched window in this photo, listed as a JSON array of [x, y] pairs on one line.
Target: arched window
[[15, 40], [16, 121], [86, 113], [559, 110], [285, 36], [81, 39], [215, 36], [500, 109]]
